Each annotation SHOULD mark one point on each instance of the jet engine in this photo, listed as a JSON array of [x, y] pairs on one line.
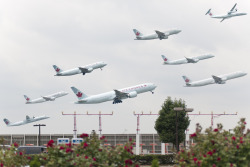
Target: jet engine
[[52, 98], [90, 69], [132, 94]]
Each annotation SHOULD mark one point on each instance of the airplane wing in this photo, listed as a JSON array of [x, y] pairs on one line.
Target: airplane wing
[[27, 117], [119, 94], [83, 70], [190, 60], [48, 98], [222, 19], [161, 35], [219, 80], [233, 8]]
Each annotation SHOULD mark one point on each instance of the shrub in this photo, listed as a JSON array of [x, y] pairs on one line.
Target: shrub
[[218, 147], [155, 163]]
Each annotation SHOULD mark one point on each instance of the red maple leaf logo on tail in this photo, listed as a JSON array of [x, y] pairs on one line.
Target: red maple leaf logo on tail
[[137, 33], [187, 80], [165, 59], [57, 69], [79, 94], [28, 99]]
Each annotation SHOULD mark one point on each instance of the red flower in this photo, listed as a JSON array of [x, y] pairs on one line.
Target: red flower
[[193, 135], [210, 153], [245, 123], [61, 148], [214, 165], [241, 138], [233, 138], [204, 155], [212, 142], [86, 157], [20, 153], [50, 143], [136, 165], [69, 150], [15, 145], [225, 138], [103, 137], [69, 145], [84, 135], [29, 158], [195, 159], [100, 150], [216, 130], [77, 155], [241, 142], [45, 158], [1, 164], [238, 146], [85, 145], [130, 139], [214, 150], [231, 165], [94, 159], [218, 159], [128, 161]]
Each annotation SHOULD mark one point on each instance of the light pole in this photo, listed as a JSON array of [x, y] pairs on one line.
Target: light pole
[[176, 123], [39, 139]]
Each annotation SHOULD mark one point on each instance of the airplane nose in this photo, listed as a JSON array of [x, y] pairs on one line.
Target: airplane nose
[[178, 31]]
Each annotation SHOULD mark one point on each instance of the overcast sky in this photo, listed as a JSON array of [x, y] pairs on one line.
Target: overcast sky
[[34, 35]]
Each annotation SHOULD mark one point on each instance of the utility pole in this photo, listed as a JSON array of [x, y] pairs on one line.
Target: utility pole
[[39, 139], [177, 109], [100, 120], [138, 129], [75, 129], [213, 116]]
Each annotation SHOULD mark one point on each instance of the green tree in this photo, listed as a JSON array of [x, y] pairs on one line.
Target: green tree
[[165, 124]]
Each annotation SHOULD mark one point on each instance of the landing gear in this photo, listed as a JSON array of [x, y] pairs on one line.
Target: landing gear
[[117, 101], [152, 92], [83, 73], [101, 68]]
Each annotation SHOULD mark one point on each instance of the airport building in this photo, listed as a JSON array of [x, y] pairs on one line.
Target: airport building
[[149, 143]]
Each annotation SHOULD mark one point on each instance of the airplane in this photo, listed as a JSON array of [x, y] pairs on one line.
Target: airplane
[[116, 96], [85, 69], [26, 121], [230, 14], [221, 79], [51, 97], [157, 35], [185, 60]]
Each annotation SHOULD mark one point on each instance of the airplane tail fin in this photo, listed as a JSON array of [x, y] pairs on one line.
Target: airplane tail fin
[[78, 93], [7, 122], [186, 79], [209, 12], [165, 59], [27, 98], [137, 33], [57, 69]]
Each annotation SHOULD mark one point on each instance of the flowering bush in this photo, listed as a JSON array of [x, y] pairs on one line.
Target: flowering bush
[[9, 156], [90, 153], [218, 147]]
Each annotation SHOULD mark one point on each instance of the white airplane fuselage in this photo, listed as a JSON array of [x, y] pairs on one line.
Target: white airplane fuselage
[[109, 96], [228, 15], [26, 121], [52, 96], [78, 71], [155, 36], [185, 61], [209, 81]]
